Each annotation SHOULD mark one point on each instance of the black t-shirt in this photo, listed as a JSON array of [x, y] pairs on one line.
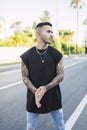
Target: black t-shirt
[[41, 74]]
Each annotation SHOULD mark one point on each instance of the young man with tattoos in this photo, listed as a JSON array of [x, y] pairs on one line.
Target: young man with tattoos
[[42, 71]]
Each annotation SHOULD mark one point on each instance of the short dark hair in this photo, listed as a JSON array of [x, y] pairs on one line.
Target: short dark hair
[[43, 23]]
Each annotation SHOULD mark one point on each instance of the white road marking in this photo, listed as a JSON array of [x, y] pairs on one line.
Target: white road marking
[[10, 85], [73, 118]]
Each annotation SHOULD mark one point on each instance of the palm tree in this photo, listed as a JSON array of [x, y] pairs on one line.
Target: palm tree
[[16, 26], [85, 22], [76, 4], [57, 28], [85, 39], [46, 17], [2, 26], [34, 25]]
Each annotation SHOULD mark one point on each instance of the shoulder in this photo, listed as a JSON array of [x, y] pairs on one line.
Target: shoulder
[[55, 51], [27, 53], [29, 50], [56, 54], [26, 56]]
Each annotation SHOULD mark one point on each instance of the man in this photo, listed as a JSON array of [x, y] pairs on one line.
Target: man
[[42, 71]]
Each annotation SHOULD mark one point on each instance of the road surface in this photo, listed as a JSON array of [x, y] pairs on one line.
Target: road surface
[[74, 96]]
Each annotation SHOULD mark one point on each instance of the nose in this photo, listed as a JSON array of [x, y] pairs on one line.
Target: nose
[[51, 34]]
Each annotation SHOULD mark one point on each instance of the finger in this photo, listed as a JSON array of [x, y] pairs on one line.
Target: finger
[[39, 95], [37, 100], [38, 104]]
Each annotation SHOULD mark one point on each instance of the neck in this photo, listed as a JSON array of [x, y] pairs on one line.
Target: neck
[[42, 45]]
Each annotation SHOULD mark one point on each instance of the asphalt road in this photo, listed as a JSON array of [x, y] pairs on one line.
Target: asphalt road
[[13, 98]]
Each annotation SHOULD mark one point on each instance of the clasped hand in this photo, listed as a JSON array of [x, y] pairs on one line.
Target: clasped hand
[[39, 95]]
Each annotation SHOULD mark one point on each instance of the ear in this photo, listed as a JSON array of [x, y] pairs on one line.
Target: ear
[[37, 33]]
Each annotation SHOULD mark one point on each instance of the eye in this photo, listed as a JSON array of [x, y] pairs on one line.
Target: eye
[[49, 31]]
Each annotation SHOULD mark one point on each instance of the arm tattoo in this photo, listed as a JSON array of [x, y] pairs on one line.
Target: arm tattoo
[[58, 78], [25, 77]]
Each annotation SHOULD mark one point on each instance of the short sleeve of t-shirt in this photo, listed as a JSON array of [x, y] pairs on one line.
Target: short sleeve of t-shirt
[[57, 55]]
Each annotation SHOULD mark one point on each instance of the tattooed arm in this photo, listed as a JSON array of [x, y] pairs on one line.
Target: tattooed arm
[[25, 77], [59, 77]]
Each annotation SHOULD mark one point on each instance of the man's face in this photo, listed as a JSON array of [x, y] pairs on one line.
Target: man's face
[[46, 34]]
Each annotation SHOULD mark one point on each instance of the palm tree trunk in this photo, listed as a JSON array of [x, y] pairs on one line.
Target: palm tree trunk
[[57, 29], [77, 24]]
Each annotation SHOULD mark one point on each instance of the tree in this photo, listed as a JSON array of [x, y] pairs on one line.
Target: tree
[[2, 27], [45, 17], [34, 25], [76, 4], [85, 22], [16, 26], [85, 39], [65, 37]]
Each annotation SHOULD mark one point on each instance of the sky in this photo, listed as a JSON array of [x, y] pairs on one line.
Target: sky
[[28, 11]]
